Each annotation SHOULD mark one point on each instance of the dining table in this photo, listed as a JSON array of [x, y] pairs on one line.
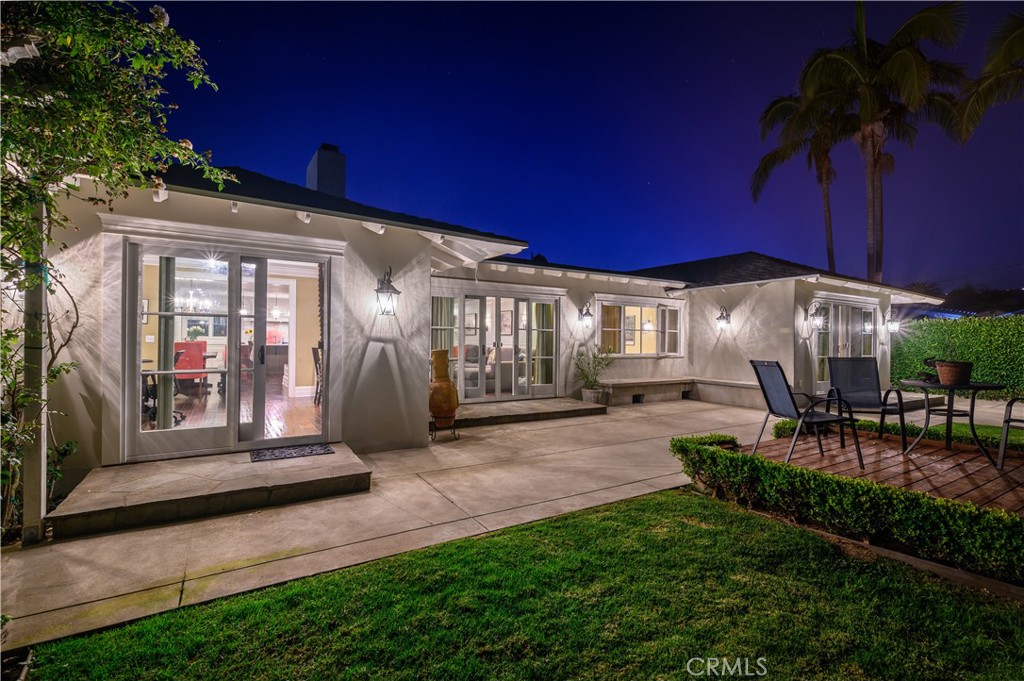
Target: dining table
[[949, 409]]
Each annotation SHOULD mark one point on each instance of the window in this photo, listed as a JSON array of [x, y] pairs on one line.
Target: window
[[639, 330], [670, 325]]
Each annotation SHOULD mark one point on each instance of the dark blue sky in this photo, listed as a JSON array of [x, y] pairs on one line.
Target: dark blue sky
[[607, 135]]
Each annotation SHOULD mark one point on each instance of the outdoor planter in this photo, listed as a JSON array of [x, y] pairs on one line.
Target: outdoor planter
[[595, 395]]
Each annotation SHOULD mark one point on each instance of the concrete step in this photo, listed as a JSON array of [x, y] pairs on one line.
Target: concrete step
[[155, 492], [520, 411]]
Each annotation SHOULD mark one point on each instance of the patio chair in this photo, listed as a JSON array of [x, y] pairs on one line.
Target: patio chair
[[855, 380], [1008, 422], [781, 402]]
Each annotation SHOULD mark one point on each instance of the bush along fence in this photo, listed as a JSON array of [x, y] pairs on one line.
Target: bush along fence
[[992, 344], [987, 541]]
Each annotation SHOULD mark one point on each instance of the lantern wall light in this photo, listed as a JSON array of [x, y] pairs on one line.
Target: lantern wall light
[[891, 322], [724, 319], [816, 315], [387, 294], [586, 317]]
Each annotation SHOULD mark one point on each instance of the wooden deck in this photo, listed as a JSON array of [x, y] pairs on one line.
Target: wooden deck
[[962, 473]]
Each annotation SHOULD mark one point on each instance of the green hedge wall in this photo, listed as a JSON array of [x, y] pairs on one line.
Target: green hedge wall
[[987, 541], [994, 344]]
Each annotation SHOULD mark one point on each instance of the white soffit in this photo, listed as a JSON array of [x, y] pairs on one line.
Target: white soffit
[[130, 225], [448, 251]]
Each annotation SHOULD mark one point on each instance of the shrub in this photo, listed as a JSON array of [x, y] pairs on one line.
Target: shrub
[[989, 436], [591, 366], [987, 541], [992, 344]]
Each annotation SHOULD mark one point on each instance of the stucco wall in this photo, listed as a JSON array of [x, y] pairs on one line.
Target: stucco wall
[[572, 293], [385, 359]]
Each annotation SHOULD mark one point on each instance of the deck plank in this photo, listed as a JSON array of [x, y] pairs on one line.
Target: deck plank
[[961, 473]]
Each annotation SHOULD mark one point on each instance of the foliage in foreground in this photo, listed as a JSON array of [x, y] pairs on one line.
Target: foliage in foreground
[[632, 590], [987, 541], [86, 99]]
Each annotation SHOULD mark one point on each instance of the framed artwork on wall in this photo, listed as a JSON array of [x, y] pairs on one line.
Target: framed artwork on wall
[[506, 322], [630, 330]]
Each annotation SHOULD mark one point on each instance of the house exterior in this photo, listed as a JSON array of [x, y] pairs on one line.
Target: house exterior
[[222, 321]]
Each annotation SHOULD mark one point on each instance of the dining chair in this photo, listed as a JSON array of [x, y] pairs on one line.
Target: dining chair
[[781, 402]]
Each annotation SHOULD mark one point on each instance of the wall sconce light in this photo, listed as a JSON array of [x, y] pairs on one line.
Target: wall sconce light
[[387, 294], [724, 319], [891, 322], [587, 317], [816, 314]]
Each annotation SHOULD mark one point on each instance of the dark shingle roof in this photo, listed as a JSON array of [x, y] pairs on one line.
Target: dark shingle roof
[[257, 188], [730, 269]]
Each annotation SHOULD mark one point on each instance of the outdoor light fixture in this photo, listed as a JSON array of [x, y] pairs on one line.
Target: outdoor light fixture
[[724, 319], [816, 313], [587, 317], [387, 294], [891, 322]]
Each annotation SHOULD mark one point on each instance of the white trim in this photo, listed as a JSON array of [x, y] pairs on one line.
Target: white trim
[[129, 225], [443, 286]]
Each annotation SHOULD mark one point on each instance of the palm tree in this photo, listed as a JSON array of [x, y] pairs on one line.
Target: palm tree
[[1002, 78], [890, 86], [806, 128]]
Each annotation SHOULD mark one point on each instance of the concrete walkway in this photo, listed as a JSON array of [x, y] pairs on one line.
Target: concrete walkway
[[493, 477]]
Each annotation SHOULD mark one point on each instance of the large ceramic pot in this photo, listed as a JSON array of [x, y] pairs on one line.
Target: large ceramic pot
[[444, 398]]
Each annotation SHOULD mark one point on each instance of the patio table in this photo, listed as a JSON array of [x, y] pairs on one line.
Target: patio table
[[950, 411]]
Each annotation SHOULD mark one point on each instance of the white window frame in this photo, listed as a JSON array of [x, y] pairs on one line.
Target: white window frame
[[661, 316]]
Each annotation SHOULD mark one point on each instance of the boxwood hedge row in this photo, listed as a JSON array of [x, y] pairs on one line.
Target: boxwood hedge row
[[987, 541]]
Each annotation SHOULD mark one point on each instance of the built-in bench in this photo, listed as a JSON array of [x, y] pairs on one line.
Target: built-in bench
[[639, 390]]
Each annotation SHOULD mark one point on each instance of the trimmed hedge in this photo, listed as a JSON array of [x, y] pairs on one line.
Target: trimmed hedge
[[1014, 442], [994, 344], [987, 541]]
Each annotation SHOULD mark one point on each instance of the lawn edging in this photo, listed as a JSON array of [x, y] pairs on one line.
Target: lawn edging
[[987, 541]]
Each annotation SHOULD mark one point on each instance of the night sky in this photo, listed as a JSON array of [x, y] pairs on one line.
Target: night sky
[[606, 135]]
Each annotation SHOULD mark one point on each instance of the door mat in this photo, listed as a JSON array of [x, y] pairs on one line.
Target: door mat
[[274, 453]]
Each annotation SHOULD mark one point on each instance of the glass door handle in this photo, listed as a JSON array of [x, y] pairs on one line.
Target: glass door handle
[[262, 354]]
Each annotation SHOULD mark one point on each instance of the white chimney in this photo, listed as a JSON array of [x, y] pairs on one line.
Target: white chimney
[[326, 171]]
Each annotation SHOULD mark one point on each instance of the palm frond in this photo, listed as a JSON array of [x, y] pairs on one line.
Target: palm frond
[[769, 162], [907, 71], [1002, 87], [941, 108], [777, 113], [1006, 46], [942, 25]]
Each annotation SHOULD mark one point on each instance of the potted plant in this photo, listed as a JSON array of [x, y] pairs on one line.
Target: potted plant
[[952, 371], [590, 365], [194, 332]]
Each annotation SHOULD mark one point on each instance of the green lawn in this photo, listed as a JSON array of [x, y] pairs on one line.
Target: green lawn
[[632, 590]]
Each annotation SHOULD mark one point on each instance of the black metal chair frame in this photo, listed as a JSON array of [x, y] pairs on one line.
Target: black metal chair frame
[[1008, 422], [877, 406], [806, 417]]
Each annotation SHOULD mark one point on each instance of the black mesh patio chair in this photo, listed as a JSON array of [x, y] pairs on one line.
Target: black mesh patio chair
[[1008, 422], [855, 380], [781, 402]]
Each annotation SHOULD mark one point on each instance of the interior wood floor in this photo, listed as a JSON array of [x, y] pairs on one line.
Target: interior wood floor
[[285, 416], [962, 473]]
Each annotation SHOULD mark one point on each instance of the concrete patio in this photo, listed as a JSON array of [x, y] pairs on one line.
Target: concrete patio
[[493, 477]]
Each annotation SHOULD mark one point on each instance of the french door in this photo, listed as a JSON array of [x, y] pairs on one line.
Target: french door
[[847, 330], [507, 347], [215, 357]]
